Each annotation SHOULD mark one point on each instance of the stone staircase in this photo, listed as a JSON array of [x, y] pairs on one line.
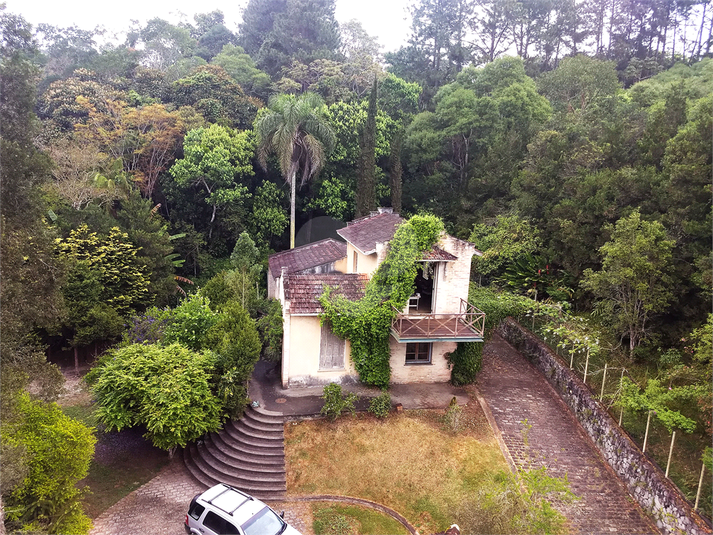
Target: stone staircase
[[248, 454]]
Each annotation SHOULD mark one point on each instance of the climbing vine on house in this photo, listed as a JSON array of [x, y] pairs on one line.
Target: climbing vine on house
[[366, 323]]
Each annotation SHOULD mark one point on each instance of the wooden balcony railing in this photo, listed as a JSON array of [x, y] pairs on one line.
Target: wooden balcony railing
[[467, 325]]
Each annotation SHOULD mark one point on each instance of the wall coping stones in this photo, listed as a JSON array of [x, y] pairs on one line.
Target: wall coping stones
[[646, 482]]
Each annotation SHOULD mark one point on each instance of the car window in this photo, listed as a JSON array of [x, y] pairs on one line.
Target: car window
[[265, 522], [219, 525], [196, 510]]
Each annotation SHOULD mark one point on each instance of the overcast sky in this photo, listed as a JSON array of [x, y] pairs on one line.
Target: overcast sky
[[385, 19]]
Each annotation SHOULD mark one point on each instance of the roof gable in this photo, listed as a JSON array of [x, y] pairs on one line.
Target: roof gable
[[307, 256], [366, 232]]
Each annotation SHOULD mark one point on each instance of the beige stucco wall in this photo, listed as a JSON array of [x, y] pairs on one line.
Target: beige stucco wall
[[303, 365], [365, 263], [436, 372], [453, 277], [341, 265]]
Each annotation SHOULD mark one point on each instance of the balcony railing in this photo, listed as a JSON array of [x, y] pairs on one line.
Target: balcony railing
[[466, 326]]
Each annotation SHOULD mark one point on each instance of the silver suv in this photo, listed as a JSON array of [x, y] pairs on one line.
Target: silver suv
[[224, 510]]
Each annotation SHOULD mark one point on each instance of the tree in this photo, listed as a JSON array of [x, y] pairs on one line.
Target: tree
[[216, 96], [58, 451], [167, 389], [633, 283], [366, 179], [294, 128], [278, 32], [217, 159], [241, 67], [502, 243], [163, 43]]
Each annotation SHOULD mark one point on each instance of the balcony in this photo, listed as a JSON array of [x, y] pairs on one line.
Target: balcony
[[466, 326]]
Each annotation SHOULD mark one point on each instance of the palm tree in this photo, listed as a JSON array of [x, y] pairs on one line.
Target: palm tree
[[297, 132]]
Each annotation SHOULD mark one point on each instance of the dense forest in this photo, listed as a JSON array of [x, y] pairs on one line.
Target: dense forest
[[566, 139]]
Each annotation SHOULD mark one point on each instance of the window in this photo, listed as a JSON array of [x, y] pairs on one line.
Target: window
[[418, 353], [331, 350], [266, 522], [196, 510], [218, 525], [355, 257]]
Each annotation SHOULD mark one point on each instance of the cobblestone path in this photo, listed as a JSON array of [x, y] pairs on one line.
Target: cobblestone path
[[159, 507], [539, 430]]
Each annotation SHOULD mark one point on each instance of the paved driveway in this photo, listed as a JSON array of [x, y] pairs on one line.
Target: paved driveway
[[539, 430]]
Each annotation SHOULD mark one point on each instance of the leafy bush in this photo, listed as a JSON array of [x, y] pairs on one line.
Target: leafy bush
[[166, 389], [270, 328], [380, 406], [465, 362], [57, 452], [149, 327], [234, 340], [452, 417], [335, 403], [190, 321]]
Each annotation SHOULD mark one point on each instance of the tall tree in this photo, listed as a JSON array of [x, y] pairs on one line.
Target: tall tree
[[366, 178], [634, 282], [294, 128]]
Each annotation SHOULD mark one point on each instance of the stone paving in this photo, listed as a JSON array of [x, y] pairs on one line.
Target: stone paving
[[539, 430], [159, 507]]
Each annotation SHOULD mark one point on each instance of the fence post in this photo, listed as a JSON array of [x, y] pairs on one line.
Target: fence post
[[670, 451], [621, 415], [700, 484], [586, 367], [646, 435], [571, 359], [604, 380]]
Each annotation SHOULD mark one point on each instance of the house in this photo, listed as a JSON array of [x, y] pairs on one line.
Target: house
[[435, 319]]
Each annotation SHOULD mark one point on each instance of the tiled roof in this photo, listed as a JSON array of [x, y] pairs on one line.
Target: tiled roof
[[307, 256], [303, 291], [437, 253], [366, 232]]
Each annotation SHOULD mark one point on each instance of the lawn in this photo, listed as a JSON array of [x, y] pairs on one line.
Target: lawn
[[413, 463], [333, 519]]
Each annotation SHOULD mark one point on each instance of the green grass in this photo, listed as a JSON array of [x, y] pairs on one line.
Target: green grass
[[353, 520], [85, 414]]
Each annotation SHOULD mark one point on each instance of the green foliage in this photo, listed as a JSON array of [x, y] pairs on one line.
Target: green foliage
[[510, 504], [452, 417], [634, 281], [236, 345], [465, 362], [58, 450], [366, 322], [656, 397], [335, 403], [503, 243], [270, 327], [498, 305], [190, 321], [121, 281], [533, 276], [164, 388], [380, 406]]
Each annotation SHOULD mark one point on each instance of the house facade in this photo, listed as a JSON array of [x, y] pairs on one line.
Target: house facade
[[434, 320]]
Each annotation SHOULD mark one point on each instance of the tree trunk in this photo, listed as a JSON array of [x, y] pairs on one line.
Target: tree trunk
[[76, 359], [396, 170], [293, 191]]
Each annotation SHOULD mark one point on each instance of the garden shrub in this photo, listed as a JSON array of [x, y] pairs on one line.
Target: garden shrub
[[465, 362], [189, 322], [166, 389], [335, 403], [149, 327], [380, 406], [57, 451]]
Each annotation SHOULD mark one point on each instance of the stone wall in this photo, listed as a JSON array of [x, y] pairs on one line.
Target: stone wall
[[645, 480]]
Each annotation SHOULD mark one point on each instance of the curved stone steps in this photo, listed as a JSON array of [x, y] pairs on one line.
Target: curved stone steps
[[248, 454]]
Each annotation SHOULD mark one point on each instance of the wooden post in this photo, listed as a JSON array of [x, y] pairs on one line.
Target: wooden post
[[646, 435], [700, 484], [571, 360], [533, 312], [621, 415], [586, 367], [604, 380], [670, 451]]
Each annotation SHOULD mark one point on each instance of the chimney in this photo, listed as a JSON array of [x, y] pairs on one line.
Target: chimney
[[386, 210]]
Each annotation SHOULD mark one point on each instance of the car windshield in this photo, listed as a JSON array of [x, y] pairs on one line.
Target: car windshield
[[265, 522]]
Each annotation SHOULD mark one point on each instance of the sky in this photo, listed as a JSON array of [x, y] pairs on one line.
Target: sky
[[385, 19]]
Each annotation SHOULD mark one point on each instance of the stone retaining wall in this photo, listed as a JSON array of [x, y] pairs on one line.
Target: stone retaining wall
[[645, 480]]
